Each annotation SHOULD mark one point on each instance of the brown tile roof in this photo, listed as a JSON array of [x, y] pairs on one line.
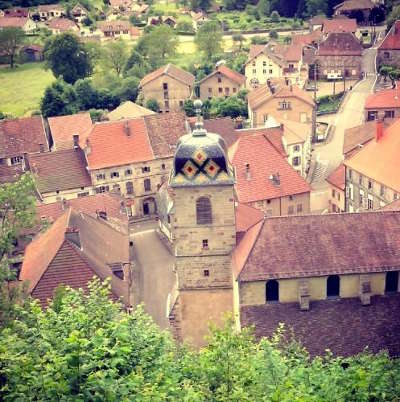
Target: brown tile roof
[[227, 72], [26, 134], [113, 26], [224, 126], [337, 177], [255, 50], [51, 259], [64, 127], [17, 12], [173, 72], [392, 39], [296, 132], [336, 25], [9, 174], [119, 143], [388, 98], [379, 160], [247, 217], [344, 326], [9, 22], [264, 160], [62, 24], [293, 52], [50, 7], [340, 44], [60, 170], [319, 245], [393, 206], [358, 135], [351, 5], [128, 110], [307, 39]]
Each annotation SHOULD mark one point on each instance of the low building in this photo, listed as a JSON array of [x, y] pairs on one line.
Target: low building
[[222, 82], [79, 13], [169, 85], [26, 24], [338, 56], [19, 12], [339, 25], [61, 25], [64, 128], [372, 174], [128, 110], [198, 18], [388, 52], [383, 105], [116, 29], [31, 53], [360, 9], [60, 175], [121, 5], [162, 20], [337, 186], [49, 11]]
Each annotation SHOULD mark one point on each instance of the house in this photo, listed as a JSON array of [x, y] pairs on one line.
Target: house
[[64, 128], [79, 13], [388, 52], [133, 157], [315, 23], [50, 11], [31, 53], [15, 12], [121, 5], [117, 29], [383, 105], [60, 25], [165, 19], [60, 175], [372, 179], [283, 102], [339, 25], [169, 85], [265, 180], [198, 18], [337, 186], [340, 54], [73, 250], [26, 24], [128, 110], [140, 9], [222, 82], [358, 9], [272, 61]]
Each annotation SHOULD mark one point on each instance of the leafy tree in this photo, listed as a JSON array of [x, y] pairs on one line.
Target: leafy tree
[[315, 7], [393, 16], [59, 99], [10, 41], [184, 26], [137, 65], [115, 55], [153, 105], [200, 5], [2, 115], [86, 94], [188, 108], [232, 106], [275, 17], [67, 57], [128, 90], [209, 39], [238, 40], [263, 7], [273, 34]]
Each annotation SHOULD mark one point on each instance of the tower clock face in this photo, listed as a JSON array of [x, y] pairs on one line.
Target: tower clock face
[[254, 82]]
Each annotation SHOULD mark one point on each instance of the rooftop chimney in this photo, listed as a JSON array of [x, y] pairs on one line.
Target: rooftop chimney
[[72, 234], [127, 129], [276, 180], [248, 174], [379, 130], [76, 140], [41, 147], [88, 149]]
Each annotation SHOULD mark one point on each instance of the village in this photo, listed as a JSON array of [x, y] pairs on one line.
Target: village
[[211, 159]]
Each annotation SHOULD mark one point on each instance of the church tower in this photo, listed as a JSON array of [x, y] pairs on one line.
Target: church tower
[[204, 228]]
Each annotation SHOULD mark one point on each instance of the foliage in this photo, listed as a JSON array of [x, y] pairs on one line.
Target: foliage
[[10, 41], [316, 7], [393, 16], [258, 40], [391, 72], [184, 26], [275, 17], [67, 57], [115, 55], [329, 103], [232, 106], [273, 34], [200, 5], [209, 39], [153, 105], [263, 7], [97, 114], [59, 99], [188, 108]]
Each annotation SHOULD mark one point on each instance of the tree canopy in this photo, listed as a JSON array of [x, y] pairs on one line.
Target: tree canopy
[[10, 41], [209, 39]]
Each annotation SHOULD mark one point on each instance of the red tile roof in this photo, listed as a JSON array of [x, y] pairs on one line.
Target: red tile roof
[[17, 12], [62, 24], [319, 245], [392, 39], [255, 50], [337, 177], [113, 26], [8, 22], [173, 72], [9, 174], [351, 5], [264, 160], [50, 7], [247, 217], [26, 134], [119, 143], [339, 25], [340, 44], [64, 127], [344, 326], [393, 206], [307, 39], [388, 98], [227, 72]]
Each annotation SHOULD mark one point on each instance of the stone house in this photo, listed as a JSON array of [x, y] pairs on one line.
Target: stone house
[[222, 82], [339, 55], [383, 105], [337, 185], [49, 11], [169, 85], [389, 49], [79, 13]]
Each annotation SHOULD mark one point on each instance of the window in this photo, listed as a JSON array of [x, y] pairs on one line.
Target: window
[[165, 86], [264, 63], [265, 117], [163, 166], [272, 291], [203, 211], [291, 197], [270, 71], [284, 105], [370, 203], [254, 64], [389, 114], [128, 172], [299, 208], [219, 79], [333, 193], [296, 161], [296, 148], [102, 189], [291, 210], [395, 196], [264, 71], [369, 184], [15, 160], [166, 104], [220, 90], [206, 272], [291, 66], [101, 176], [114, 175], [254, 71], [350, 172], [226, 91], [361, 198], [165, 94], [360, 180], [129, 187], [382, 190], [145, 169], [180, 103], [333, 286], [147, 185], [210, 90], [372, 115], [205, 243], [386, 55], [234, 90], [392, 282], [338, 196]]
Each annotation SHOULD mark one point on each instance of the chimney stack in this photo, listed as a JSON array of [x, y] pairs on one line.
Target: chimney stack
[[72, 234], [127, 129], [248, 174], [88, 149], [41, 148], [76, 140], [379, 130]]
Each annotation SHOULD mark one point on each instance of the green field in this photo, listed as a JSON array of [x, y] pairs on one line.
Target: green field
[[22, 88]]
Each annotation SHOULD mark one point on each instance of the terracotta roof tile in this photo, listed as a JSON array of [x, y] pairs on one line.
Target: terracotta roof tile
[[317, 20], [319, 245], [379, 160], [62, 24], [344, 326], [227, 72], [9, 174], [128, 110], [64, 127], [351, 5], [114, 25], [247, 217], [60, 170], [22, 135], [388, 98], [119, 143], [392, 39], [264, 160], [255, 50], [338, 177], [339, 25], [173, 72], [9, 22], [307, 39], [340, 44]]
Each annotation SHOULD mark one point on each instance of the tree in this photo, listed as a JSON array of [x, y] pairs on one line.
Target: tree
[[263, 7], [200, 5], [316, 7], [67, 57], [153, 105], [59, 99], [136, 65], [238, 40], [10, 41], [188, 108], [232, 106], [273, 34], [115, 55], [209, 39], [275, 17], [184, 26], [393, 16]]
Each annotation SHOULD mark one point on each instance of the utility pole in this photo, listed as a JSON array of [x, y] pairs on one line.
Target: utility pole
[[315, 80]]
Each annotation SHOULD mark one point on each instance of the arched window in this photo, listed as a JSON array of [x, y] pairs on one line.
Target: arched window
[[333, 286], [203, 211], [392, 282], [272, 291], [129, 187]]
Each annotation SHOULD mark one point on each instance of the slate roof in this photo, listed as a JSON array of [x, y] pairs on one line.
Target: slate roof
[[339, 25], [128, 110], [18, 136], [388, 98], [173, 72], [228, 73], [392, 39], [348, 243], [340, 44], [337, 177], [264, 160], [344, 326], [63, 129], [60, 170]]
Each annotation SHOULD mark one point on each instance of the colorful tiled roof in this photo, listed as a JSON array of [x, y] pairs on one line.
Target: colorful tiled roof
[[26, 134], [340, 44], [60, 170], [392, 39], [63, 128], [338, 177], [173, 72], [254, 183], [128, 110], [388, 98], [339, 25], [379, 160], [319, 245]]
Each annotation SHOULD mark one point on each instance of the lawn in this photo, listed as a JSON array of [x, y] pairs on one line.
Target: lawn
[[22, 88], [329, 104]]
